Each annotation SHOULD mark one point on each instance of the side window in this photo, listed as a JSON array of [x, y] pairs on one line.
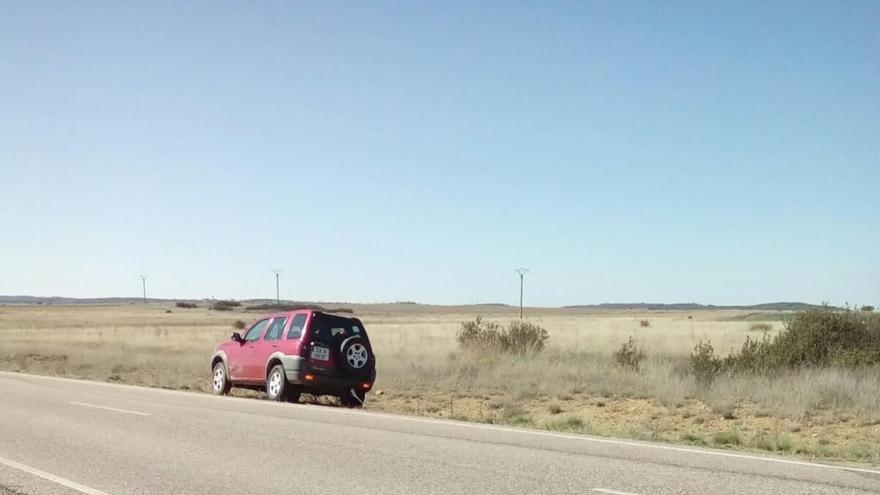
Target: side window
[[276, 328], [296, 327], [256, 331]]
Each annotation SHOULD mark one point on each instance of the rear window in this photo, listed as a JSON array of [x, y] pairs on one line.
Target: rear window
[[329, 328]]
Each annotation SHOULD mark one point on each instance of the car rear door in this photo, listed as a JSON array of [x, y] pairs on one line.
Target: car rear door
[[263, 348], [293, 341]]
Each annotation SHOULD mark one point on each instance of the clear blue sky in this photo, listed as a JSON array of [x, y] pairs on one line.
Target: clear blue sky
[[623, 151]]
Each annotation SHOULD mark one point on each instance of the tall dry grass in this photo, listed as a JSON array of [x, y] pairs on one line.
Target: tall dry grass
[[146, 345]]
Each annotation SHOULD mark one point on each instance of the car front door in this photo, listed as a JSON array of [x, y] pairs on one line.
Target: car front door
[[248, 348]]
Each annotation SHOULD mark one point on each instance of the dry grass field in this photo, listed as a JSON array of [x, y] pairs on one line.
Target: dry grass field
[[574, 385]]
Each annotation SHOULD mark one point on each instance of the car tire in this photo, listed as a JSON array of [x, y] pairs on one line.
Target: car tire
[[277, 387], [350, 402], [355, 355], [220, 380]]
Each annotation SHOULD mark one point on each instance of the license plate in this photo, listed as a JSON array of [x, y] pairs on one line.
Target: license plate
[[321, 353]]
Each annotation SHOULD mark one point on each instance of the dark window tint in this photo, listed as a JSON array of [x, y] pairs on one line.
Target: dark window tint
[[296, 327], [256, 331], [276, 328], [331, 328]]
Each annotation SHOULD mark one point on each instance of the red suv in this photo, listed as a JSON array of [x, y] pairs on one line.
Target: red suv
[[292, 352]]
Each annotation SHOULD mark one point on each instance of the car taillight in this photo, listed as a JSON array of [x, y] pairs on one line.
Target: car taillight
[[304, 350], [310, 377], [365, 386]]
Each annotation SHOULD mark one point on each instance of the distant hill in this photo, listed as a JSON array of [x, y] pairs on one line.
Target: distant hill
[[777, 306], [120, 300], [75, 300]]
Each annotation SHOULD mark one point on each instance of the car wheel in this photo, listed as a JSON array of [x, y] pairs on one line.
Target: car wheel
[[354, 355], [276, 383], [346, 399], [220, 382]]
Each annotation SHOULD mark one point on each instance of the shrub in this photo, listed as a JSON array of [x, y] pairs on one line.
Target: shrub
[[239, 325], [816, 337], [225, 305], [629, 356], [824, 336], [751, 358], [520, 337], [644, 323], [695, 438], [730, 437], [568, 423], [186, 305], [705, 365], [868, 309], [784, 443], [520, 420], [524, 337], [761, 327], [295, 307], [479, 335]]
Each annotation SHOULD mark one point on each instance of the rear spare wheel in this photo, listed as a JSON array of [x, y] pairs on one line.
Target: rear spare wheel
[[354, 355]]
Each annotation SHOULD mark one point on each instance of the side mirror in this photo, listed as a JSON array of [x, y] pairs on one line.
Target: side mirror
[[236, 337]]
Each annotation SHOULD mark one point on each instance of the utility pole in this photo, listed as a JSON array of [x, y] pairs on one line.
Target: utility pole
[[521, 272], [277, 273], [144, 284]]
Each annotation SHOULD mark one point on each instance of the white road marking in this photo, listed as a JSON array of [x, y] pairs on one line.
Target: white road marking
[[109, 408], [51, 477], [581, 438], [612, 492]]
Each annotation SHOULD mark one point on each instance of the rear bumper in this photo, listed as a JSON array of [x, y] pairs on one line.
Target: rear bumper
[[300, 374]]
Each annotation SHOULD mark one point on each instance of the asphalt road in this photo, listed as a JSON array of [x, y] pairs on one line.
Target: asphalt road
[[60, 436]]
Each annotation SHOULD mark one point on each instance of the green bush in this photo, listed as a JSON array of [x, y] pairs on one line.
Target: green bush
[[753, 357], [761, 327], [705, 365], [225, 305], [479, 335], [629, 356], [520, 337], [567, 423], [822, 337], [817, 338], [186, 305], [295, 306], [523, 337], [729, 437]]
